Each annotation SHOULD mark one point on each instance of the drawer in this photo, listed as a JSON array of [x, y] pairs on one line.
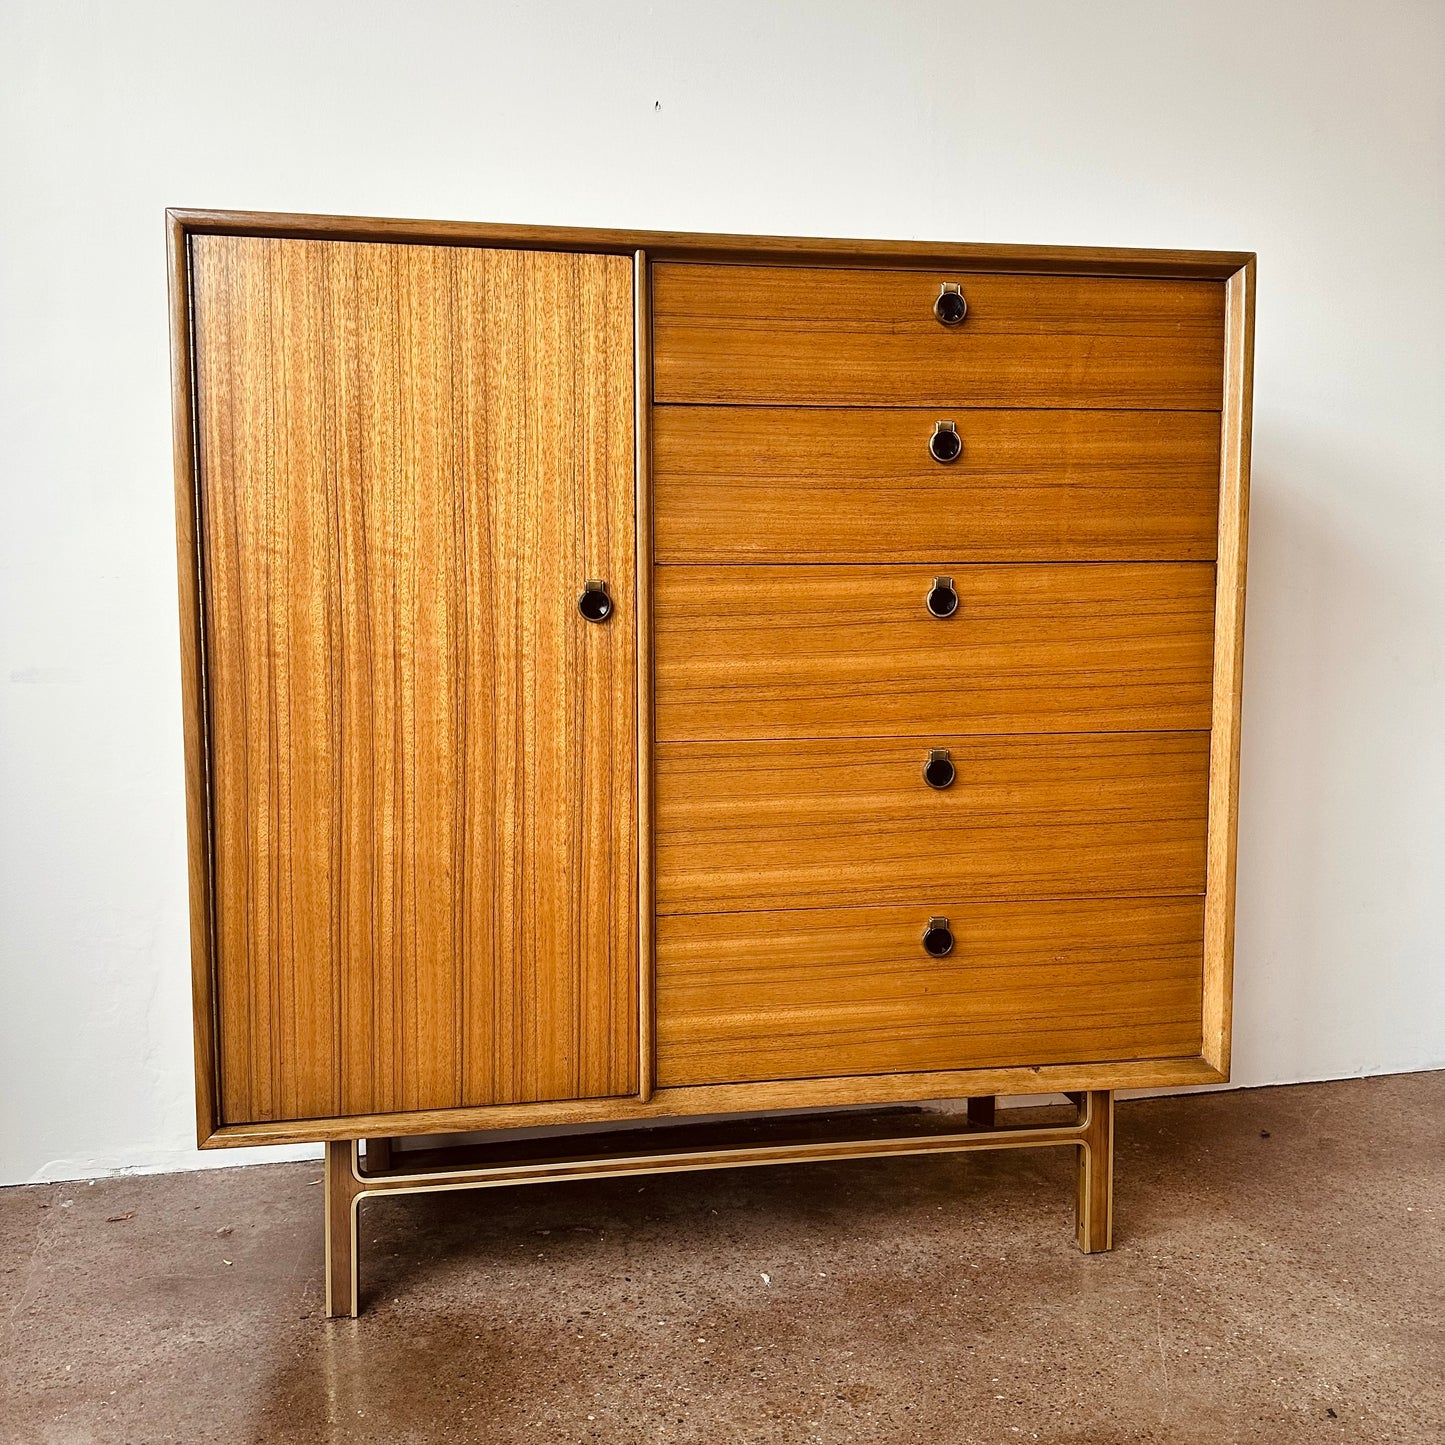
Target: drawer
[[829, 992], [768, 825], [816, 652], [812, 484], [794, 335]]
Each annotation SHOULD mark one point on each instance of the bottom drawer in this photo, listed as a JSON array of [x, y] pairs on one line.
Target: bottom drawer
[[811, 993]]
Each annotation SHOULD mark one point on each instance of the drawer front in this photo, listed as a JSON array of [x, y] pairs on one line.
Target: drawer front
[[808, 484], [794, 335], [800, 652], [829, 992], [765, 825]]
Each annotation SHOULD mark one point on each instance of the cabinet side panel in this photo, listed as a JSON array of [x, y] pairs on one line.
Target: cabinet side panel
[[405, 453], [193, 706], [1228, 666]]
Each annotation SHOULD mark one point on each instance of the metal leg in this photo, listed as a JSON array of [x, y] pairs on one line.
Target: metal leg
[[1095, 1219], [684, 1146], [343, 1188]]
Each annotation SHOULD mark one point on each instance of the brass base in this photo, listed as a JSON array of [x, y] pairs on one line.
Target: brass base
[[676, 1147]]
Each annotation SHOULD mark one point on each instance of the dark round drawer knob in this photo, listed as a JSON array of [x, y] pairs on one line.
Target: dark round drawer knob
[[945, 444], [937, 938], [938, 771], [942, 599], [594, 603], [951, 307]]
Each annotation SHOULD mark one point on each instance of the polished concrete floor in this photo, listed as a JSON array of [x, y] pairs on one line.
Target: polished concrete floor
[[1279, 1276]]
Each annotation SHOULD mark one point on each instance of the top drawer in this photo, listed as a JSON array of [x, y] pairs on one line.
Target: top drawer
[[800, 335]]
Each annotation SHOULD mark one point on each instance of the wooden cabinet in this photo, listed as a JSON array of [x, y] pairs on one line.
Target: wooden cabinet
[[632, 677]]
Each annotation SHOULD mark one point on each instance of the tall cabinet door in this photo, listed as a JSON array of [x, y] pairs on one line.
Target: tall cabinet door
[[422, 769]]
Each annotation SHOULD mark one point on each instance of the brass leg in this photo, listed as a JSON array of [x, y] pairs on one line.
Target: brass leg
[[1095, 1226], [1091, 1133], [342, 1187]]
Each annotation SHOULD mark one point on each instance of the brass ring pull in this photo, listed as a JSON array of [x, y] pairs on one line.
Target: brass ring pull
[[945, 445], [951, 306], [938, 938], [942, 599], [594, 603], [938, 771]]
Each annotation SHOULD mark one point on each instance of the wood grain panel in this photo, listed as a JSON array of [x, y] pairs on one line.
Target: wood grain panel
[[816, 652], [422, 764], [825, 484], [793, 335], [768, 825], [821, 992]]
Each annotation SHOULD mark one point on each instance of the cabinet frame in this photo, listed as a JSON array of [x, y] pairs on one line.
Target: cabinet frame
[[1236, 270]]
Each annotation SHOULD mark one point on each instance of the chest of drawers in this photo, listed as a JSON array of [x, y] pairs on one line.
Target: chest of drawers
[[636, 678]]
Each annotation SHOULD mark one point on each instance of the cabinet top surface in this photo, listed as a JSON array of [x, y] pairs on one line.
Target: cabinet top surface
[[681, 245]]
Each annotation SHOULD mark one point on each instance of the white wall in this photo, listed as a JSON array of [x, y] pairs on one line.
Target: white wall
[[1310, 132]]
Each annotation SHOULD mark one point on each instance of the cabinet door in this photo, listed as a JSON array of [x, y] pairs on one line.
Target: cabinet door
[[422, 757]]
